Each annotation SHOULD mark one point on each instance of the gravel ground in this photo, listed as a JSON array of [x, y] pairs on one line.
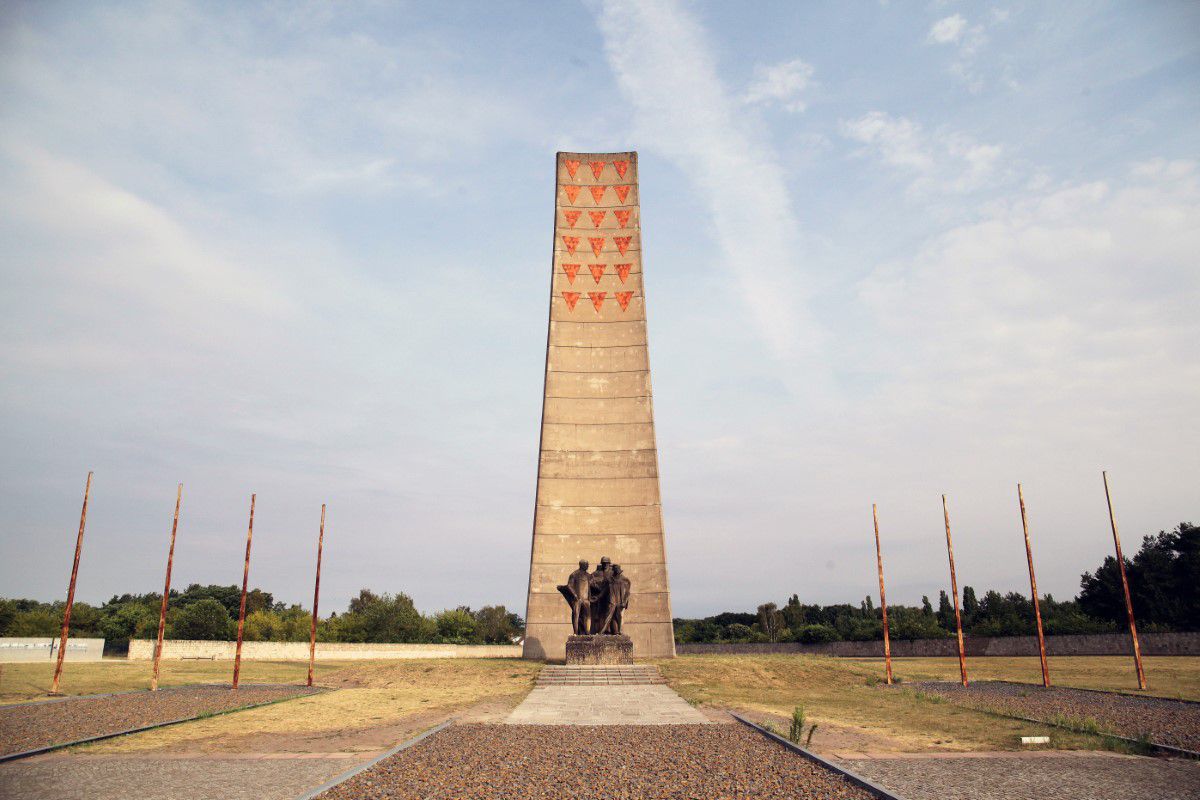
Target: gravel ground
[[1169, 722], [556, 762], [29, 726], [86, 777], [1066, 777]]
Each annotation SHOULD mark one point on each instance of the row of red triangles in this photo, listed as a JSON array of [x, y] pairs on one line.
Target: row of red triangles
[[597, 271], [597, 167], [597, 217], [597, 299], [572, 191], [597, 243]]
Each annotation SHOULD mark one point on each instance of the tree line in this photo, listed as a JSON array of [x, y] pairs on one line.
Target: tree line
[[1164, 583], [1164, 578], [211, 612]]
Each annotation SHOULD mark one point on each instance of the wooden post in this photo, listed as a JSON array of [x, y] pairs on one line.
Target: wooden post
[[1037, 608], [66, 626], [962, 653], [1137, 650], [237, 658], [162, 609], [887, 645], [312, 635]]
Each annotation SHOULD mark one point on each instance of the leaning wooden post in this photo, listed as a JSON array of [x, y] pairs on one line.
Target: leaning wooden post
[[162, 609], [312, 636], [1037, 609], [887, 646], [237, 657], [1137, 650], [66, 626], [962, 653]]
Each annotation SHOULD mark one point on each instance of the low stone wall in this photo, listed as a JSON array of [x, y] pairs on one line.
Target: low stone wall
[[15, 649], [1100, 644], [180, 649]]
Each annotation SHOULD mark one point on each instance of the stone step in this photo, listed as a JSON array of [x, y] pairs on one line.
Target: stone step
[[624, 675]]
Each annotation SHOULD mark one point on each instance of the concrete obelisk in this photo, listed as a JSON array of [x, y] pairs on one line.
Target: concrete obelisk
[[597, 489]]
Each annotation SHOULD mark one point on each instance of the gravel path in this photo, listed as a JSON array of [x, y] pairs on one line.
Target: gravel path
[[87, 777], [29, 726], [1052, 777], [630, 762], [1169, 722]]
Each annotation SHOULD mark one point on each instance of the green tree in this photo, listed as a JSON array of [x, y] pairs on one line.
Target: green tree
[[456, 626], [497, 625], [205, 619]]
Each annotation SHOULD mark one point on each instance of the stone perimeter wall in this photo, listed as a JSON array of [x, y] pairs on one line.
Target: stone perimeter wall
[[179, 649], [17, 649], [1100, 644]]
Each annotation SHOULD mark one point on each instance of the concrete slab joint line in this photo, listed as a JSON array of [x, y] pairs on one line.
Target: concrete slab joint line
[[621, 695], [598, 491]]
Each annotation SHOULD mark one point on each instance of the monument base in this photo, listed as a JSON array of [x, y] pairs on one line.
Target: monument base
[[599, 650]]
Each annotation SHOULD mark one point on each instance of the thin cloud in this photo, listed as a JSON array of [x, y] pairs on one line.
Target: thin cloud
[[665, 66], [783, 84], [939, 162]]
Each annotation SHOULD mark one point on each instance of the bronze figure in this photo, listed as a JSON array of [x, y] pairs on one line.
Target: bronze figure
[[598, 599], [618, 601]]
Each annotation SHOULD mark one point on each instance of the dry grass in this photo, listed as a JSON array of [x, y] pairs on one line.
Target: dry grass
[[375, 702], [845, 698], [24, 682], [1176, 677]]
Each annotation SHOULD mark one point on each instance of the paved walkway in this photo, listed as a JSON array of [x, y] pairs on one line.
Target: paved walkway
[[149, 777], [622, 700], [1032, 776]]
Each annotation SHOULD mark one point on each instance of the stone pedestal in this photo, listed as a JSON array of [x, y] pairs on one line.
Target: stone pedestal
[[600, 650]]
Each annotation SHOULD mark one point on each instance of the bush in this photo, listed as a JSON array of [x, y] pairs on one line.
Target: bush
[[817, 634]]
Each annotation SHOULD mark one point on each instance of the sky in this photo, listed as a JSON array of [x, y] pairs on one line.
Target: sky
[[892, 250]]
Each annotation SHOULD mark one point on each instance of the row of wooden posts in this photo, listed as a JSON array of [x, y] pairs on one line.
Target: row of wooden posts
[[162, 613], [1037, 612]]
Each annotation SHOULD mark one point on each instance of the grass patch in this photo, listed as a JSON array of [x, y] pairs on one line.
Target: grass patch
[[1175, 677], [853, 713]]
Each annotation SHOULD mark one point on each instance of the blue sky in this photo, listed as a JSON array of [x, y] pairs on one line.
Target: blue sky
[[892, 250]]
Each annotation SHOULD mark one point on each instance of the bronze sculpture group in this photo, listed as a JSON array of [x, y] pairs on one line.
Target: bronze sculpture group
[[597, 599]]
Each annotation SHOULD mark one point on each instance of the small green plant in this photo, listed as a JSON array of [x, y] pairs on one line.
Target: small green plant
[[797, 731]]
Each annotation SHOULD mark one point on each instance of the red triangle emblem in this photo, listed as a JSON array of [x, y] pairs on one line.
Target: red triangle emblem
[[621, 166], [572, 298], [622, 271], [597, 168], [622, 243], [622, 218], [572, 217], [623, 298], [572, 270], [622, 192], [598, 245], [597, 299], [597, 193], [597, 271], [571, 166], [597, 217], [571, 242], [571, 190]]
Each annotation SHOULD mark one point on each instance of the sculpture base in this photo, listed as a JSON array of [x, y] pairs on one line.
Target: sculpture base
[[599, 650]]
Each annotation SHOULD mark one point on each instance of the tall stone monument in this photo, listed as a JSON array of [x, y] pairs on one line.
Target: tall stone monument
[[597, 489]]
